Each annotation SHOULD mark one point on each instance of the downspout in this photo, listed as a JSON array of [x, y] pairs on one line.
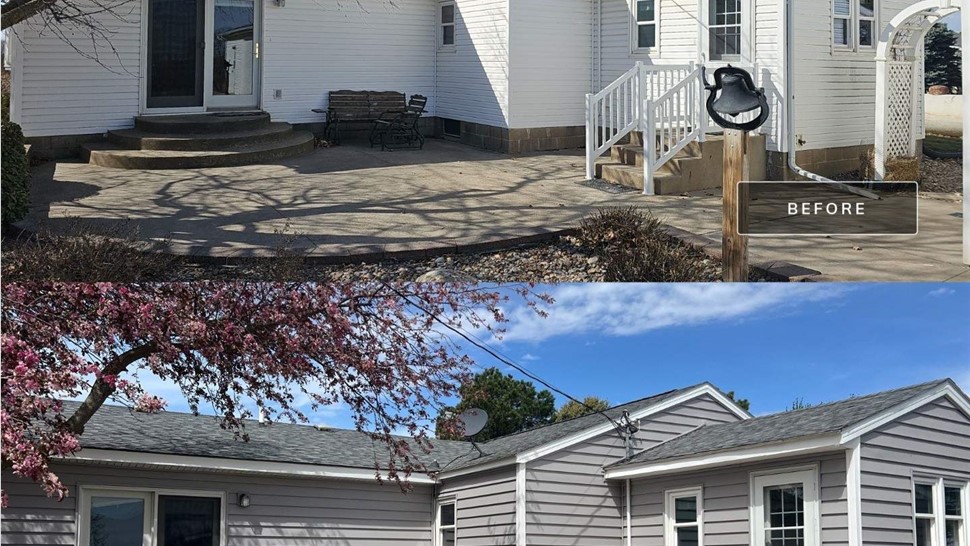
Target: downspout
[[629, 512], [790, 108]]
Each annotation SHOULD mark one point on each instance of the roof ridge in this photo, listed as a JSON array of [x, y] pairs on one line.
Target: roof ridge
[[851, 398], [539, 427]]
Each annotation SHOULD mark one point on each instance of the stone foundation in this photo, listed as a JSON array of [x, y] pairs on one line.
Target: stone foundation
[[517, 141], [828, 162], [60, 147]]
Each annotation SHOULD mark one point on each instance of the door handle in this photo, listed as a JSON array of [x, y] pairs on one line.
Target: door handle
[[256, 50]]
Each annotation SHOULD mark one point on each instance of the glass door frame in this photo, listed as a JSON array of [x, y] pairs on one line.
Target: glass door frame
[[209, 101], [748, 45], [213, 101]]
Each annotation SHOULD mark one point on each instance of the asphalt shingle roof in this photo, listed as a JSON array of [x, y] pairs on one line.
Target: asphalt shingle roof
[[118, 428], [826, 418]]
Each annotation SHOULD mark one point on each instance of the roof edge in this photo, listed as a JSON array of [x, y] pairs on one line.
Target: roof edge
[[946, 388], [164, 461], [802, 445]]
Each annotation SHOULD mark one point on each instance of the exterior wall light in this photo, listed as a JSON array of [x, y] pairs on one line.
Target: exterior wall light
[[244, 500]]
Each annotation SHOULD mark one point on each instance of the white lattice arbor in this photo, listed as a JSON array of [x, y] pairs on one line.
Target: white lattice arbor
[[899, 80], [899, 88]]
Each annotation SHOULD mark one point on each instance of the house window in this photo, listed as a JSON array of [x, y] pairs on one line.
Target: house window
[[682, 518], [110, 517], [448, 24], [924, 514], [646, 27], [854, 23], [446, 523], [725, 30], [784, 510], [940, 512]]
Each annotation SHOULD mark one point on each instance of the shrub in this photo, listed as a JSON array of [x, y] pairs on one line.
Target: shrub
[[15, 197], [85, 257], [636, 248]]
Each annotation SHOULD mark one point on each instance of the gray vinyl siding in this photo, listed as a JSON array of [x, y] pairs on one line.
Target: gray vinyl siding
[[569, 503], [726, 505], [284, 511], [933, 441], [484, 507]]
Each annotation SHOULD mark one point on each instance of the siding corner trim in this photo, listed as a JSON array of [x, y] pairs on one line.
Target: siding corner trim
[[521, 536]]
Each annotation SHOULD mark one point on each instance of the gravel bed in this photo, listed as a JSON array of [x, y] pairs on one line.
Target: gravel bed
[[560, 260], [942, 175]]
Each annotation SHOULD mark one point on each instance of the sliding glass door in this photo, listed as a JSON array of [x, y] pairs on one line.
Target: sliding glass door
[[176, 47], [234, 53]]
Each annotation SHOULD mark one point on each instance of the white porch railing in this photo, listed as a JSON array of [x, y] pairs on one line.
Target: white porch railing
[[622, 107], [671, 122]]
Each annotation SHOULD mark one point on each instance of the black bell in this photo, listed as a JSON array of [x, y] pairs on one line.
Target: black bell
[[734, 93], [736, 97]]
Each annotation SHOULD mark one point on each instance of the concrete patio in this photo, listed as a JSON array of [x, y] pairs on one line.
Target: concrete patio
[[354, 200]]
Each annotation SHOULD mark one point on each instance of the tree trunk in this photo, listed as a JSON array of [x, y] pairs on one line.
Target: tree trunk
[[15, 11], [101, 389]]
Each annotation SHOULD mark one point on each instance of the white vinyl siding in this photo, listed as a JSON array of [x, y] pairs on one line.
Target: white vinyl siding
[[283, 511], [472, 81], [549, 63], [312, 47], [58, 90], [835, 89]]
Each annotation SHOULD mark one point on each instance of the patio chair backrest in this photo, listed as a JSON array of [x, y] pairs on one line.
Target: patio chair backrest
[[417, 104], [365, 105]]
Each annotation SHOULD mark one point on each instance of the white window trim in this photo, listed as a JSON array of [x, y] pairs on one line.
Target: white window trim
[[442, 501], [441, 25], [854, 18], [808, 477], [743, 31], [150, 495], [635, 25], [670, 521], [939, 517]]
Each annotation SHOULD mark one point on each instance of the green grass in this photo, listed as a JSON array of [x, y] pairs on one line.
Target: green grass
[[943, 144]]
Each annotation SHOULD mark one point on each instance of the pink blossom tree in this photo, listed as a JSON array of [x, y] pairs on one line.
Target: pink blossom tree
[[387, 351]]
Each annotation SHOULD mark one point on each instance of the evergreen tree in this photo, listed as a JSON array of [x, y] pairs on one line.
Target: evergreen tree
[[942, 59]]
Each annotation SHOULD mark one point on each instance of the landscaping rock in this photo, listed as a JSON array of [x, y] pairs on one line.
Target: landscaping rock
[[443, 275]]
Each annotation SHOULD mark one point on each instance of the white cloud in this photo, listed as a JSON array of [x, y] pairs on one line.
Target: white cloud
[[630, 309], [942, 291], [529, 357]]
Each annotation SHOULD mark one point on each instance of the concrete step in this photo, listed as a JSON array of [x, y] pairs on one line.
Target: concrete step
[[664, 181], [218, 122], [113, 155], [632, 154], [138, 139]]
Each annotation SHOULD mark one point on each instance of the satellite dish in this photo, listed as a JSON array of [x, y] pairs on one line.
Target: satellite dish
[[473, 420]]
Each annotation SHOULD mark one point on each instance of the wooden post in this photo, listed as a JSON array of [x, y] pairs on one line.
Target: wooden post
[[734, 247]]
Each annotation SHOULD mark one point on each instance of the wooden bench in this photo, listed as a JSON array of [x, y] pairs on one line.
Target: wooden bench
[[364, 107]]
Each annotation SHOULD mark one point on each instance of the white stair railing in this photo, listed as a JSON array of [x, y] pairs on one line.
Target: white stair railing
[[616, 111], [671, 122]]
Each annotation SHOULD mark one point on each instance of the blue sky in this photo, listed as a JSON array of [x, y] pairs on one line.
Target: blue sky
[[952, 21], [772, 343]]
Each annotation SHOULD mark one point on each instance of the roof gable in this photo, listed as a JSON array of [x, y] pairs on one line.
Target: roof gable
[[833, 425], [535, 443]]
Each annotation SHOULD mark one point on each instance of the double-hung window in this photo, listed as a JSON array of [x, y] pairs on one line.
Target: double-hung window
[[447, 17], [854, 24], [724, 25], [683, 518], [445, 523], [119, 517], [940, 512], [784, 510], [646, 24]]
